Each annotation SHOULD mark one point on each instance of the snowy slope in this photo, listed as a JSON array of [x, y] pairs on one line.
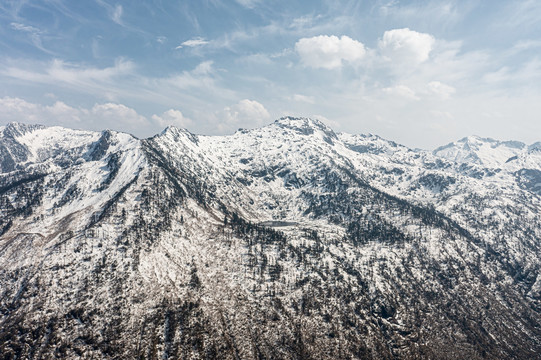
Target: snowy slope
[[287, 241]]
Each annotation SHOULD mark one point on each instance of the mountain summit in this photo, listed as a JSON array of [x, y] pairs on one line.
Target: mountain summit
[[284, 242]]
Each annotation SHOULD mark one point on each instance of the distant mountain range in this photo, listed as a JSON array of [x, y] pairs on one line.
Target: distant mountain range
[[289, 241]]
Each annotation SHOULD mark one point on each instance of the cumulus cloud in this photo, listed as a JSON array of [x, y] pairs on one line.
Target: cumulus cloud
[[172, 117], [405, 45], [329, 52], [99, 117], [442, 90], [19, 110], [401, 91], [246, 113], [118, 114]]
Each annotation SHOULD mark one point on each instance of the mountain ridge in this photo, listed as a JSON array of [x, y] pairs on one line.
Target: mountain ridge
[[286, 241]]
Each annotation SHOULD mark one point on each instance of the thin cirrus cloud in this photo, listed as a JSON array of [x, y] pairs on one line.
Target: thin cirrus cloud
[[115, 12], [26, 28], [440, 89], [59, 72], [116, 15], [35, 35], [196, 42], [401, 91], [304, 98]]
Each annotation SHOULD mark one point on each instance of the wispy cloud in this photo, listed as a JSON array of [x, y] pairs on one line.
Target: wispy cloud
[[195, 42], [59, 72], [441, 90], [304, 98], [439, 13], [34, 34], [116, 14], [250, 4], [522, 14], [26, 28], [401, 91]]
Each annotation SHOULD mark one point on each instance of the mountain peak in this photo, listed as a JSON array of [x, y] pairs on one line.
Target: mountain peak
[[177, 133], [15, 129], [487, 152], [306, 126]]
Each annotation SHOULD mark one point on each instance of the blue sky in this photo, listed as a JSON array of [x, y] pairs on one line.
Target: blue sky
[[422, 73]]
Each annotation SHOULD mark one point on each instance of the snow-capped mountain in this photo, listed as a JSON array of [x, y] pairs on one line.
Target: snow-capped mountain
[[488, 152], [284, 242]]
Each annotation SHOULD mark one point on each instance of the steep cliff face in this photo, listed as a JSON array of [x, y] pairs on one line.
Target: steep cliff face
[[288, 241]]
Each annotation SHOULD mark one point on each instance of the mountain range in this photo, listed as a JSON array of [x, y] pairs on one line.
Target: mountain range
[[288, 241]]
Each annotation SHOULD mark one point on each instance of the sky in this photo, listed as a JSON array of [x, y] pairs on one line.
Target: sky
[[421, 73]]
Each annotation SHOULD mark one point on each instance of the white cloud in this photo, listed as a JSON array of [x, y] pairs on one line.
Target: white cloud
[[442, 90], [204, 68], [25, 28], [523, 75], [304, 22], [250, 4], [118, 114], [385, 9], [59, 72], [405, 45], [35, 35], [246, 113], [329, 52], [99, 117], [63, 113], [401, 91], [116, 16], [524, 45], [201, 77], [193, 43], [172, 117], [19, 110]]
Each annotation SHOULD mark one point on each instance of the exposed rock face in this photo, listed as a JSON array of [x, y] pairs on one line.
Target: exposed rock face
[[285, 242]]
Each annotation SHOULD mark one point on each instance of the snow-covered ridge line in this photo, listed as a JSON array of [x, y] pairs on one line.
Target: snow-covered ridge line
[[284, 241]]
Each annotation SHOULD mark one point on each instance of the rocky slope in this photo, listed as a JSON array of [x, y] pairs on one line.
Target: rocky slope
[[289, 241]]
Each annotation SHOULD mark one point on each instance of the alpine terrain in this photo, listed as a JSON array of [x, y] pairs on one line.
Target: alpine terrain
[[284, 242]]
